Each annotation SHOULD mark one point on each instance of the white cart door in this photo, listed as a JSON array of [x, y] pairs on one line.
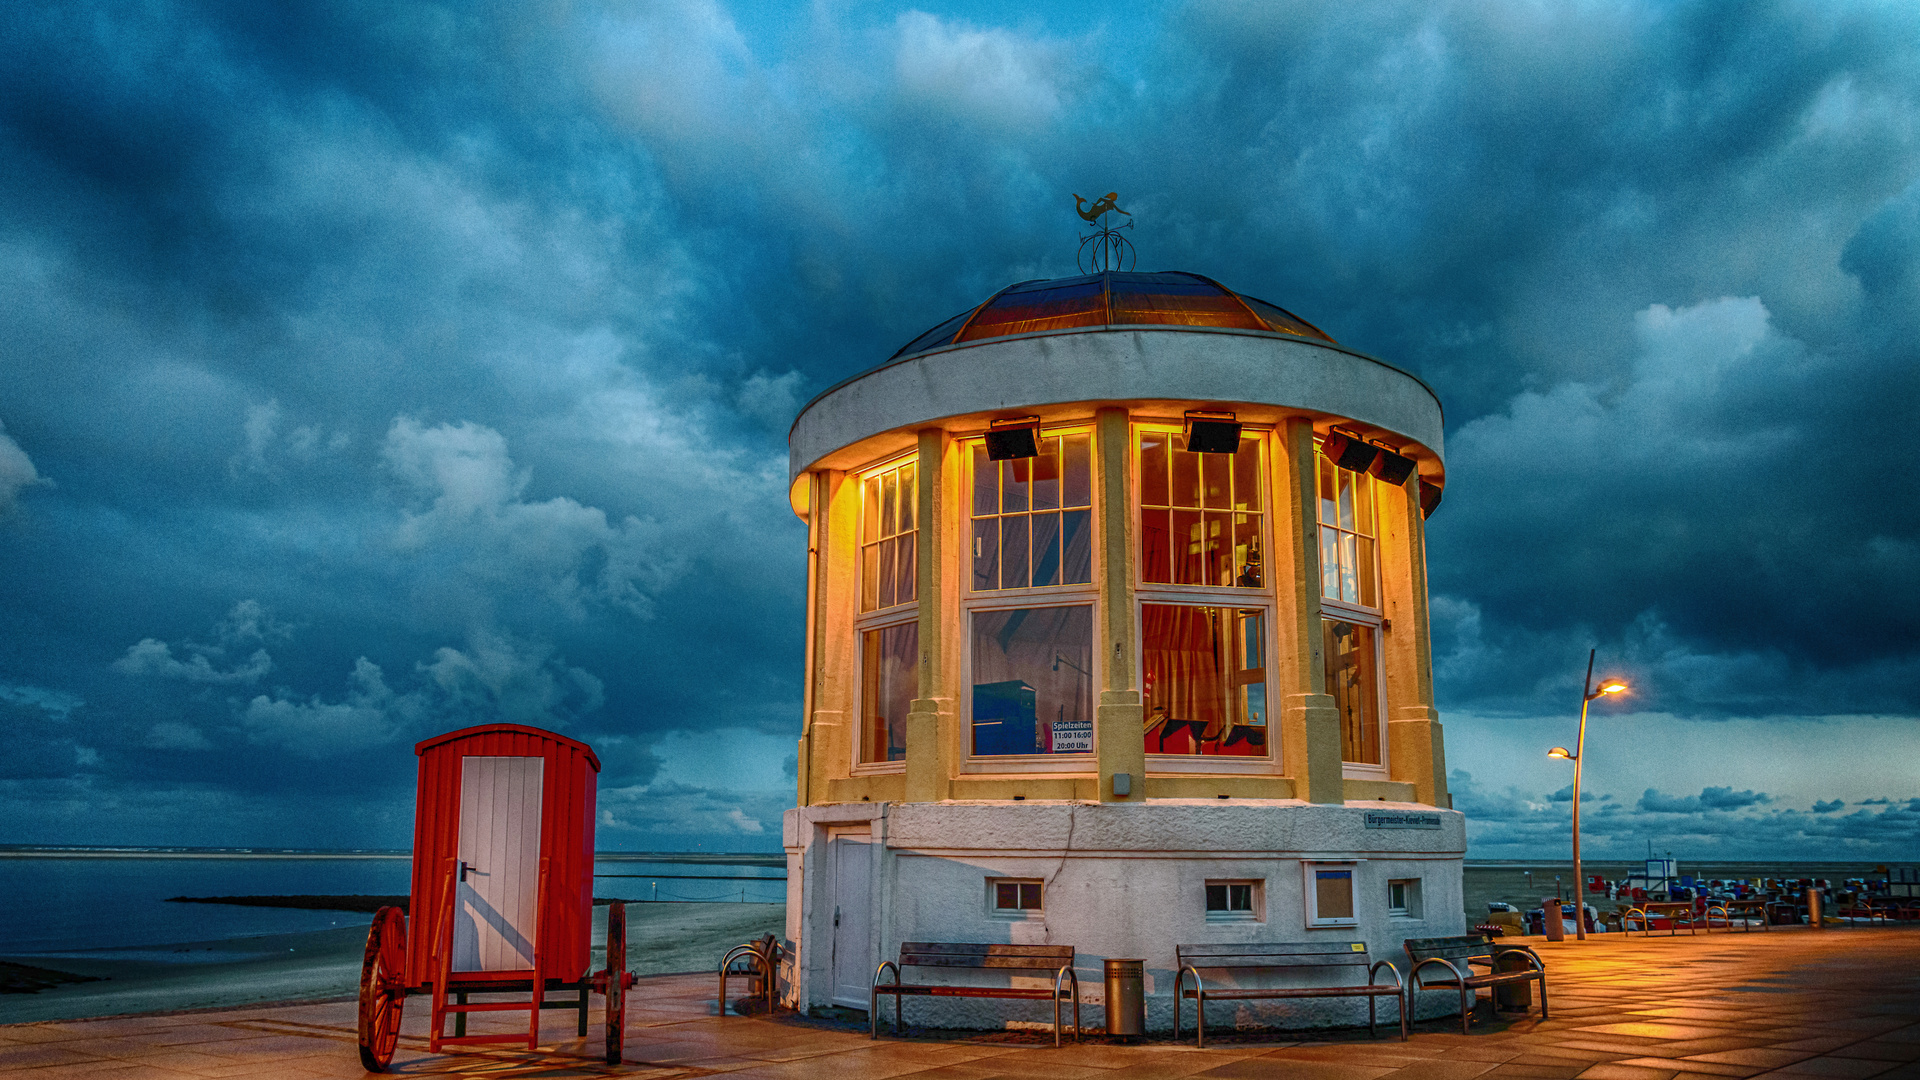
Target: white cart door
[[496, 919], [853, 959]]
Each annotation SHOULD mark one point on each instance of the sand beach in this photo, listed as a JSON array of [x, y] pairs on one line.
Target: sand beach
[[324, 965]]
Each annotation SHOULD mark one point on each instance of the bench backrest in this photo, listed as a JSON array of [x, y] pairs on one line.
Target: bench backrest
[[1274, 954], [1468, 946], [966, 955]]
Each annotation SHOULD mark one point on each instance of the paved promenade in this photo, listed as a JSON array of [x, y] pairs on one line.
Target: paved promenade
[[1793, 1003]]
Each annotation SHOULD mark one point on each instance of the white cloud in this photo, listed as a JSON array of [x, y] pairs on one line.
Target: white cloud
[[521, 685], [55, 703], [151, 656], [369, 715], [988, 75], [247, 622], [16, 471], [473, 506]]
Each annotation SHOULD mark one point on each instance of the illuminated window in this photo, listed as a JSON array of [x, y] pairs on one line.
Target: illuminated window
[[1200, 514], [1330, 894], [1348, 570], [1231, 901], [1033, 517], [1353, 678], [1032, 681], [889, 681], [1012, 896], [1205, 672], [887, 538]]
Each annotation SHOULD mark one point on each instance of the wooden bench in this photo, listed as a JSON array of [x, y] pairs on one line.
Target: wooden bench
[[1458, 955], [1312, 955], [1055, 960]]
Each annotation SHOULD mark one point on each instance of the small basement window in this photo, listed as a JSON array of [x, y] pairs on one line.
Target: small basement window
[[1011, 896], [1403, 898], [1230, 901], [1330, 894]]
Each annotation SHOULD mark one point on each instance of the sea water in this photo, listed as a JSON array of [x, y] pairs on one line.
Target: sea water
[[63, 903]]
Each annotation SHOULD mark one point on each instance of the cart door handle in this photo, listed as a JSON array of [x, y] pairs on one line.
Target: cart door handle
[[836, 915], [463, 871]]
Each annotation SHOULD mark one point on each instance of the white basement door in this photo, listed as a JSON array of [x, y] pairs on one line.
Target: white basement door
[[497, 920]]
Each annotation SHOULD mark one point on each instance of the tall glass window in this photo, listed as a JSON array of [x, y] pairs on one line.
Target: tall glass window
[[1033, 517], [1205, 673], [1033, 681], [887, 538], [1200, 514], [1348, 571], [889, 681], [1353, 678]]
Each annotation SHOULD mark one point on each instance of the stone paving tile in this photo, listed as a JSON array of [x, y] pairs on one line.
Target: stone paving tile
[[1658, 1030], [1444, 1069], [1766, 1057], [1615, 1071], [1695, 1065], [1884, 1049], [1838, 1068], [1275, 1068]]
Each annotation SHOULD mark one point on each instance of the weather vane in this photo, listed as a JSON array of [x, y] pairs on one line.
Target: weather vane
[[1103, 248]]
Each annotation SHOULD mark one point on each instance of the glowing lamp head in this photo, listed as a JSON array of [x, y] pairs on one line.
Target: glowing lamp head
[[1612, 686], [1559, 752]]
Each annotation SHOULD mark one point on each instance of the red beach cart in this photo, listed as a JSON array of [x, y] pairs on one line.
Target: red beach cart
[[502, 897]]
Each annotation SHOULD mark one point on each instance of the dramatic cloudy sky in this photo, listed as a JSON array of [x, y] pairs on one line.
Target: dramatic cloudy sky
[[368, 370]]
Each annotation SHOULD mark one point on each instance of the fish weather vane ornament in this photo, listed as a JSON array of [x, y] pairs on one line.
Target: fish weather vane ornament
[[1103, 248]]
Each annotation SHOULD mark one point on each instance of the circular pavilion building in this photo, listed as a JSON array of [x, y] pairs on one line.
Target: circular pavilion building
[[1117, 638]]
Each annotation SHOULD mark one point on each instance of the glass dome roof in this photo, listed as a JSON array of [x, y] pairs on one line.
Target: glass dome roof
[[1116, 299]]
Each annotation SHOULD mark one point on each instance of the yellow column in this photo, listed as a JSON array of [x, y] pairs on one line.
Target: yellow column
[[1415, 753], [1120, 746], [930, 721], [1309, 722], [829, 745]]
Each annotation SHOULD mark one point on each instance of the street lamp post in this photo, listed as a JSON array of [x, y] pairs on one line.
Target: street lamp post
[[1588, 692]]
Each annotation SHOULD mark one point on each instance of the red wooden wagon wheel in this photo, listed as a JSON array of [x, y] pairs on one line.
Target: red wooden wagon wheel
[[383, 988], [616, 978]]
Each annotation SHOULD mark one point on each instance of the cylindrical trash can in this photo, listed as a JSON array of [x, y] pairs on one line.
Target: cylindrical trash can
[[1555, 914], [1126, 997], [1814, 912]]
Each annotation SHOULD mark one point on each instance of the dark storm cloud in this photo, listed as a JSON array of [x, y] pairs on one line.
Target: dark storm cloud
[[455, 345]]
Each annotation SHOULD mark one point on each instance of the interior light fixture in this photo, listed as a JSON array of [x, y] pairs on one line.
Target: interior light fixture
[[1392, 467], [1212, 432], [1349, 451], [1013, 438]]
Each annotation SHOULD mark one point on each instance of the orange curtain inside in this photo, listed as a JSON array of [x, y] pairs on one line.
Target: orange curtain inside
[[1184, 658]]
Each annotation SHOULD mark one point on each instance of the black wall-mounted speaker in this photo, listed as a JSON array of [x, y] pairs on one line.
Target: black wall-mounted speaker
[[1429, 498], [1015, 439], [1213, 433], [1349, 452], [1392, 468]]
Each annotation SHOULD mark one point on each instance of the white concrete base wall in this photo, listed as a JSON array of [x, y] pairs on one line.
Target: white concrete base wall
[[1120, 880]]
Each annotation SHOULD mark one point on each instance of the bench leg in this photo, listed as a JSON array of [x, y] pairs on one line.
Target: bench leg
[[1466, 1008], [1373, 1032], [1200, 1021], [1543, 996], [1405, 997]]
